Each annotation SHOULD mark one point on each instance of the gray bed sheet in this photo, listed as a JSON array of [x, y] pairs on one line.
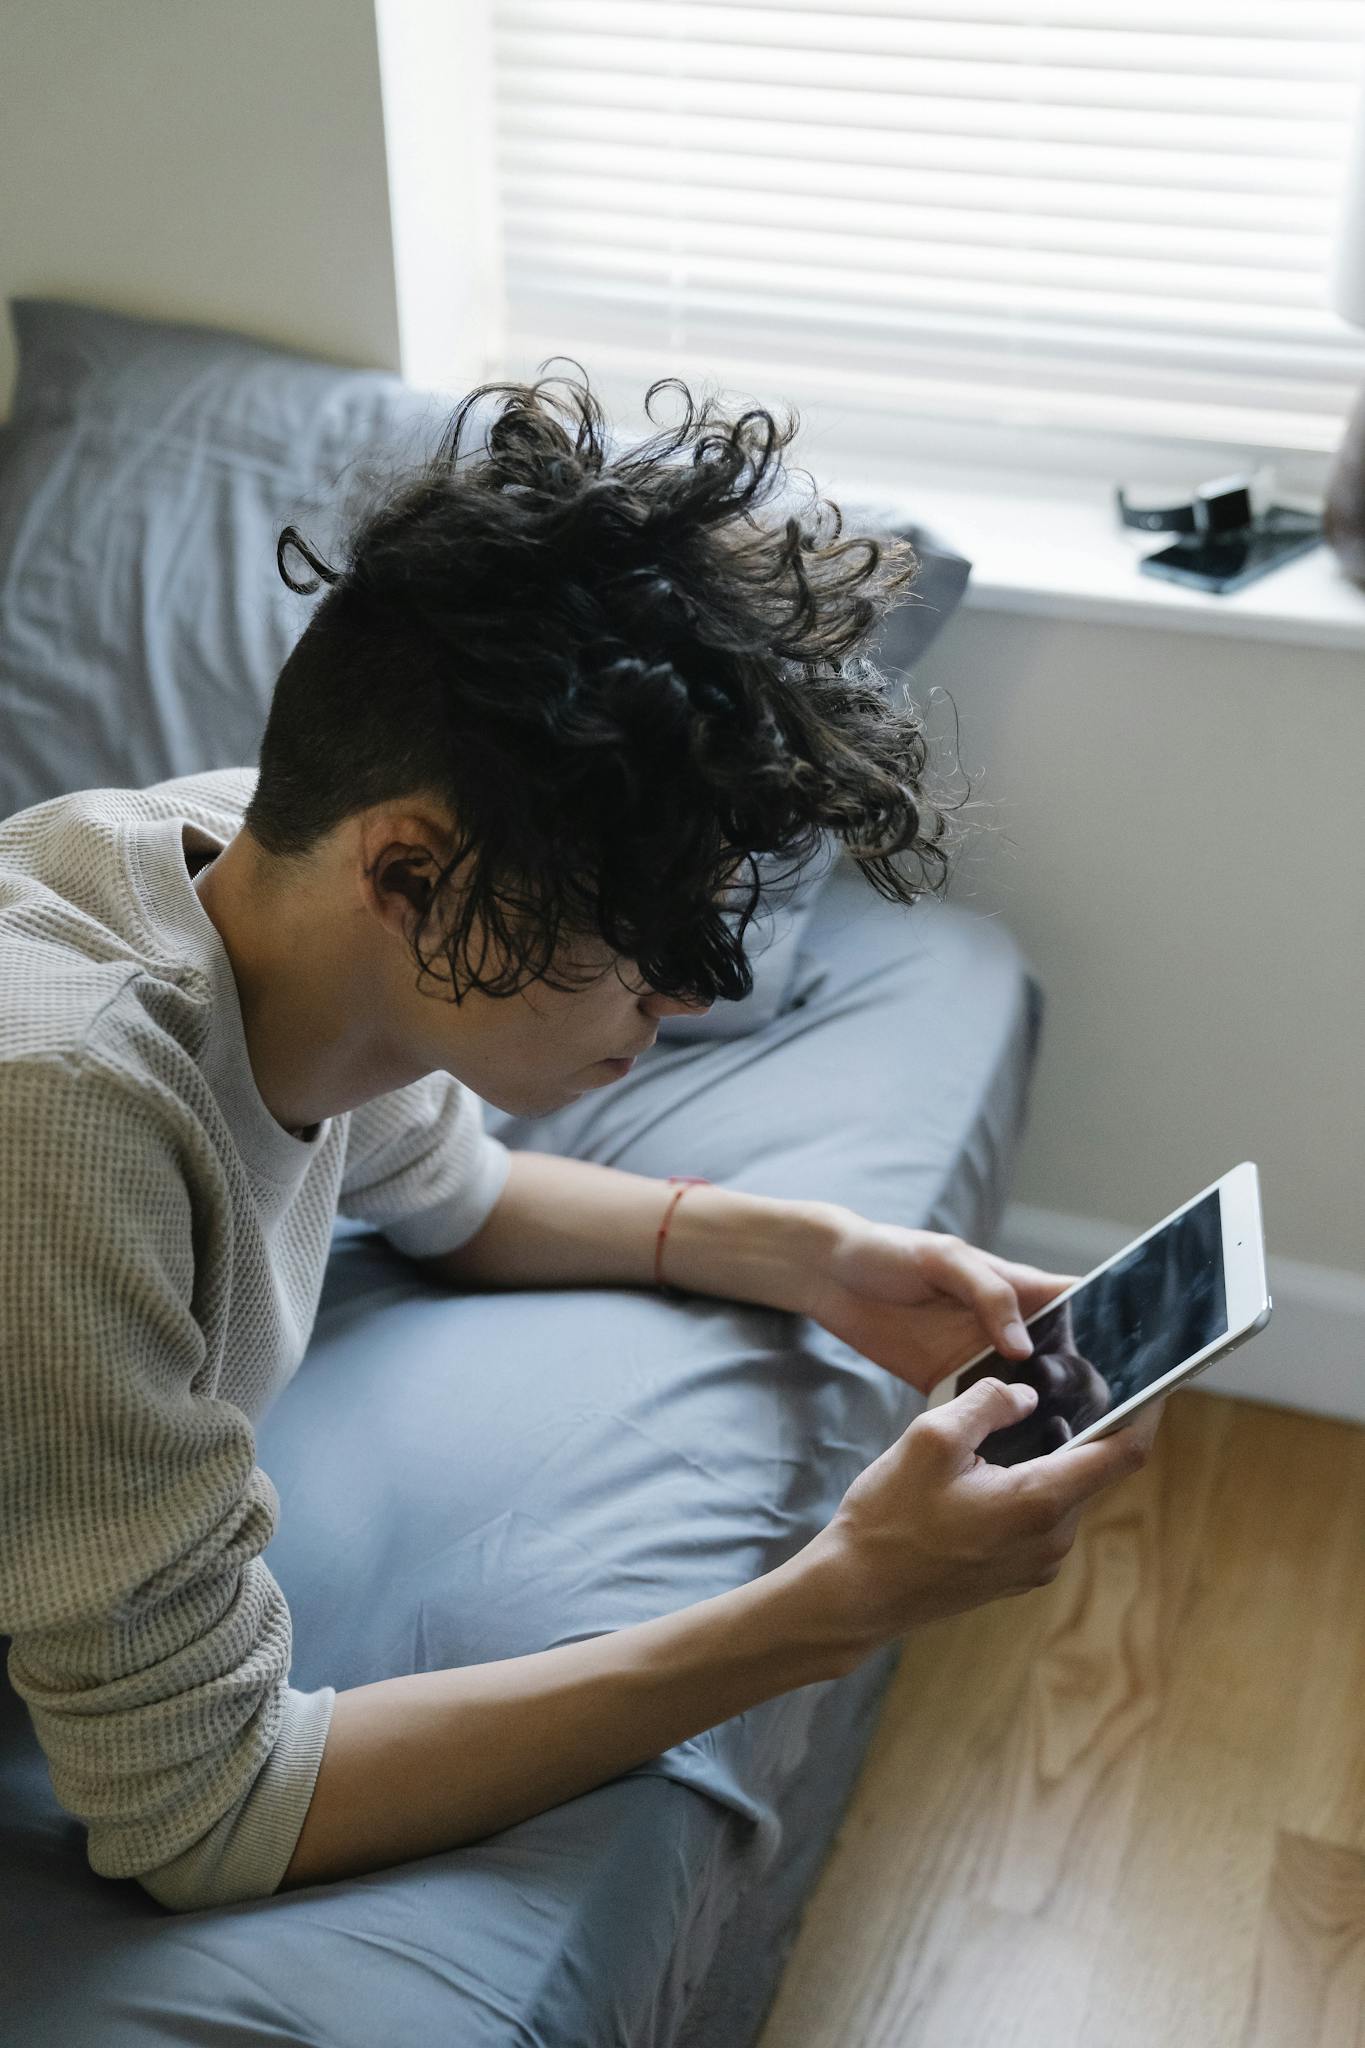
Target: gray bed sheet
[[566, 1462]]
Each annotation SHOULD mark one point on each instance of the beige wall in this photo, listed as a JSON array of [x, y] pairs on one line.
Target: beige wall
[[221, 163], [1172, 826]]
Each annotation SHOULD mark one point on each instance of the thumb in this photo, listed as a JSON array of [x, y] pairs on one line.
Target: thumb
[[988, 1405]]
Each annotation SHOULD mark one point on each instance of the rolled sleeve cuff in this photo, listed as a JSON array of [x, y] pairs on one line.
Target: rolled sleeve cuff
[[463, 1214], [246, 1853]]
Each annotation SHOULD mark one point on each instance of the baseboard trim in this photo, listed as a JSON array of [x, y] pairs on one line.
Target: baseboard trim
[[1311, 1356]]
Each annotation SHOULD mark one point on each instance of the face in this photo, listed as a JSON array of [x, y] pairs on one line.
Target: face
[[537, 1050], [529, 1053]]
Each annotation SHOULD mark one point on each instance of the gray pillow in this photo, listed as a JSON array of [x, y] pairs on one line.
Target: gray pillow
[[145, 473]]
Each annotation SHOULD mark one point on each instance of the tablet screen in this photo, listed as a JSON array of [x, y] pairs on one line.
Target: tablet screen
[[1121, 1330]]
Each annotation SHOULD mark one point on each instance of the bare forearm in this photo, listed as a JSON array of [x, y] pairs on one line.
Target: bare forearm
[[424, 1763], [569, 1222]]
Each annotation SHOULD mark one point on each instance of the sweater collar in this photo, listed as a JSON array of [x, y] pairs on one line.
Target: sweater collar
[[172, 908]]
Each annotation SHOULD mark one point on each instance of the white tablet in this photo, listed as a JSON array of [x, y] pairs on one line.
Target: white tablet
[[1188, 1291]]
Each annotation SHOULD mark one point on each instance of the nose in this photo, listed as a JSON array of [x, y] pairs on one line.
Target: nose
[[670, 1006]]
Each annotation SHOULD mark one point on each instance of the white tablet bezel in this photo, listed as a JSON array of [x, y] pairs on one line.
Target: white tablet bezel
[[1244, 1275]]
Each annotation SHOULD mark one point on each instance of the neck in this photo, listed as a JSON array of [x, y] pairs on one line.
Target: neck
[[313, 1054]]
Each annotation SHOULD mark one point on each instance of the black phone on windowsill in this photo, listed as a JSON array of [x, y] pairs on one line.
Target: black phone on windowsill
[[1226, 561]]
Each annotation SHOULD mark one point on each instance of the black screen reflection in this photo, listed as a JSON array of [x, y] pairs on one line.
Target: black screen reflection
[[1125, 1328]]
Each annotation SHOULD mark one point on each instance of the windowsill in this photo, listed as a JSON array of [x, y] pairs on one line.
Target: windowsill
[[1057, 550]]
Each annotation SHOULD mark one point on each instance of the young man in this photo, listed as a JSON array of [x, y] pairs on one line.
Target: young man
[[510, 786]]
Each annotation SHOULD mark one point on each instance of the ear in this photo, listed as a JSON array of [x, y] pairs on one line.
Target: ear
[[401, 859], [397, 888], [401, 873]]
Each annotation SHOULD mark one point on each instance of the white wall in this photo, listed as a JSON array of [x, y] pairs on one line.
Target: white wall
[[1172, 826], [216, 163]]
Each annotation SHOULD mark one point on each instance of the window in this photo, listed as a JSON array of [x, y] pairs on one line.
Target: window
[[981, 225]]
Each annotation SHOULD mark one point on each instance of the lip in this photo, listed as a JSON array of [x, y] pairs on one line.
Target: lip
[[618, 1066], [628, 1059]]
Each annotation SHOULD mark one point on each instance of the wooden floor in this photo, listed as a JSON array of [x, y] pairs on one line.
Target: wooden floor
[[1126, 1810]]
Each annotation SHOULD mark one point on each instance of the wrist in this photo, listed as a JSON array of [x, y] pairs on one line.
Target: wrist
[[745, 1247], [809, 1604]]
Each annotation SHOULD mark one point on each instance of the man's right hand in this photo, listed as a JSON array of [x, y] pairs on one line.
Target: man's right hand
[[931, 1529]]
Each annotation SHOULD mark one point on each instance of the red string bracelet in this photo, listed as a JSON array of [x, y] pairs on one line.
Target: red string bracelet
[[682, 1181]]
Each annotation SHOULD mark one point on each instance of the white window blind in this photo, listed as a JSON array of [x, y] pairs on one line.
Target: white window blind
[[1087, 216]]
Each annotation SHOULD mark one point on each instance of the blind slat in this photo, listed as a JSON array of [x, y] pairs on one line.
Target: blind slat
[[537, 171], [594, 215], [1303, 134], [555, 162], [914, 337], [1269, 23], [711, 280], [1006, 282], [1322, 20], [695, 135], [1127, 77]]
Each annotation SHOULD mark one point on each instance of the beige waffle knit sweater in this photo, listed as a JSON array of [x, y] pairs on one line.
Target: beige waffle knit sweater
[[162, 1246]]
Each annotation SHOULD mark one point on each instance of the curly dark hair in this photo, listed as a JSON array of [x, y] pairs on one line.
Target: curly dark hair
[[621, 683]]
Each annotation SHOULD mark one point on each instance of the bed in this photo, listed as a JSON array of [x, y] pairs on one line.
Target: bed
[[562, 1462]]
